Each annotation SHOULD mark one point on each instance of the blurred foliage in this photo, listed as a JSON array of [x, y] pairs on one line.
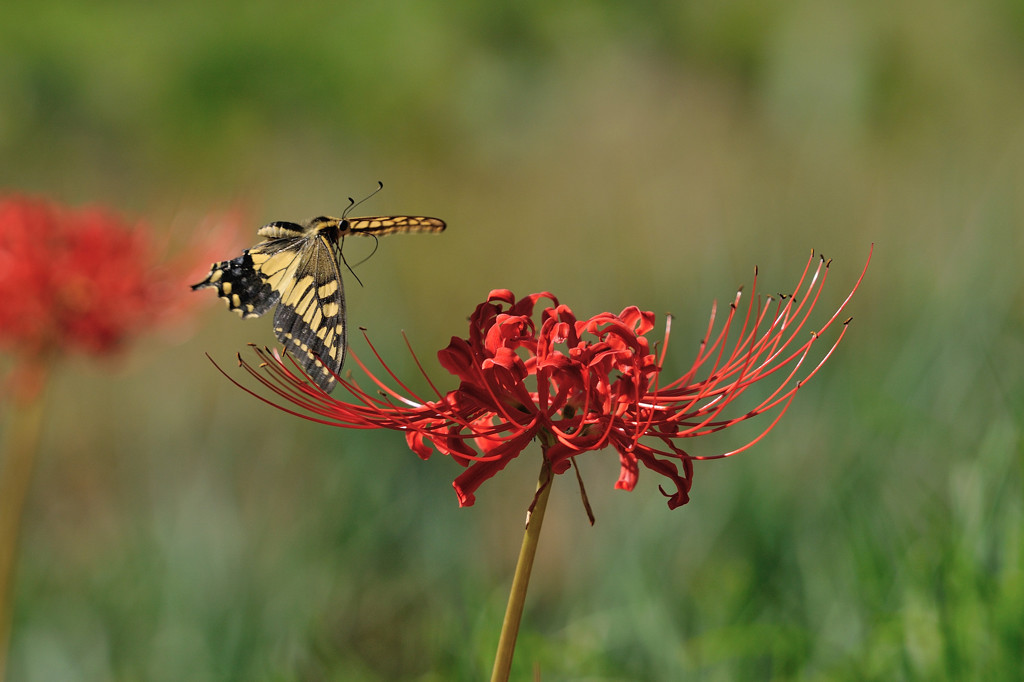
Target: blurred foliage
[[646, 153]]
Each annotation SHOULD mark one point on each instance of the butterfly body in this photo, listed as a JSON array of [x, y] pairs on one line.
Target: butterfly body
[[298, 268]]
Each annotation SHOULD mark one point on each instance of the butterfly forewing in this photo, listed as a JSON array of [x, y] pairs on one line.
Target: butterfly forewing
[[297, 267], [381, 225]]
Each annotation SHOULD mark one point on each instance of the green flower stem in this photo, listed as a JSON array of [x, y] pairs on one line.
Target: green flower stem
[[516, 599], [18, 453]]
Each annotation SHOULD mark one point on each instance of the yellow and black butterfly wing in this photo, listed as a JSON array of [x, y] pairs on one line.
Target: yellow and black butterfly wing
[[244, 282], [297, 269], [310, 318], [382, 225]]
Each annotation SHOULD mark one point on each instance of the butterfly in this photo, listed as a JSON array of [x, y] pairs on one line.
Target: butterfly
[[298, 267]]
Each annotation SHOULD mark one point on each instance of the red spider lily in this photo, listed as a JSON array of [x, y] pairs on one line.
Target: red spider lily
[[79, 280], [579, 385]]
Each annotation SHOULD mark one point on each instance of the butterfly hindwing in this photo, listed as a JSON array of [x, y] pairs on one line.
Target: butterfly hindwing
[[242, 282], [310, 319]]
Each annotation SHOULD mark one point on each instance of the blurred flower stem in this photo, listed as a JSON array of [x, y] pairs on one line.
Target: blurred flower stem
[[521, 580], [19, 446]]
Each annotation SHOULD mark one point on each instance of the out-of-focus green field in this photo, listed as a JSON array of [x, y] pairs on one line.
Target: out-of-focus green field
[[645, 154]]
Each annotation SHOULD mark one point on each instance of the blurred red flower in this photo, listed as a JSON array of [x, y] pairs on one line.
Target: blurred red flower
[[579, 385], [80, 280], [71, 281]]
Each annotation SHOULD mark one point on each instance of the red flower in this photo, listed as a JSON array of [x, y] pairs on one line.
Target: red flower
[[579, 386], [79, 280]]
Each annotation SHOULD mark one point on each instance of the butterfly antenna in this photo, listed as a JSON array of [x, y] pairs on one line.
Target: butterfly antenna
[[352, 203]]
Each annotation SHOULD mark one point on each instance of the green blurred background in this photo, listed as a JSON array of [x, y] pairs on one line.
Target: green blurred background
[[648, 153]]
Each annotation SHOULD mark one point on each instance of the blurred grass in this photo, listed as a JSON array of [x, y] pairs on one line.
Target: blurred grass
[[647, 154]]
